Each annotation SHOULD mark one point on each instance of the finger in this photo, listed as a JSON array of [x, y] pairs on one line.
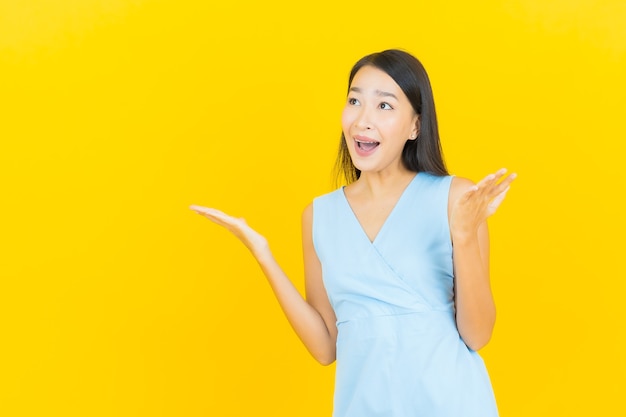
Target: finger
[[505, 184], [209, 211], [495, 176], [214, 215], [510, 177], [489, 185], [489, 179], [499, 173], [198, 209], [468, 195]]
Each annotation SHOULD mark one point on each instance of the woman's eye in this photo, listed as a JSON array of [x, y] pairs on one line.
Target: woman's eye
[[385, 106], [353, 101]]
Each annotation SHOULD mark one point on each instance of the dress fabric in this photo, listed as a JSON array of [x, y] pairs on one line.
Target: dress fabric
[[399, 353]]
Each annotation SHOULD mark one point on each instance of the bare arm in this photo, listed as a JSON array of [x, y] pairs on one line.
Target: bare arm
[[469, 207], [316, 292], [308, 318]]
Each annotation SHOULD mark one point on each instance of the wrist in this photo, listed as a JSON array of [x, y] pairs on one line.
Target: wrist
[[263, 254], [464, 237]]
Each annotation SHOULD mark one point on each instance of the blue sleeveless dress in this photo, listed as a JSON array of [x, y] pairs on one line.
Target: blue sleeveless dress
[[399, 353]]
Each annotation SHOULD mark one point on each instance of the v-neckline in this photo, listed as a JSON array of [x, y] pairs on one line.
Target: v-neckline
[[389, 215]]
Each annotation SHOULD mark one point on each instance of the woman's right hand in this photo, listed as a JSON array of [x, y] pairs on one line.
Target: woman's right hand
[[256, 243]]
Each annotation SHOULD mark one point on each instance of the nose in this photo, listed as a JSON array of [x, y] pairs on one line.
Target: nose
[[363, 120]]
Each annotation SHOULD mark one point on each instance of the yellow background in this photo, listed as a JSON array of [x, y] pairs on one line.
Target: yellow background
[[116, 115]]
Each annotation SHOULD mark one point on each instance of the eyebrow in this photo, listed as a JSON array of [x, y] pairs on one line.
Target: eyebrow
[[378, 92]]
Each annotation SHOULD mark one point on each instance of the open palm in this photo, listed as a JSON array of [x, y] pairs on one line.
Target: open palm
[[479, 202], [237, 226]]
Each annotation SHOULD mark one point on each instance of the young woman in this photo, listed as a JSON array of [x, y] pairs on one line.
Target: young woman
[[396, 262]]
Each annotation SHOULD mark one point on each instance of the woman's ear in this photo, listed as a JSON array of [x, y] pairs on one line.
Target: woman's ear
[[415, 132]]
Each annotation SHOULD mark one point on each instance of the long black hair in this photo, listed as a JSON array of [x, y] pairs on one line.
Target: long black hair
[[423, 154]]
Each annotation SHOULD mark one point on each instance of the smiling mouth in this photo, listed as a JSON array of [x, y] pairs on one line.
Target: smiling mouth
[[366, 145]]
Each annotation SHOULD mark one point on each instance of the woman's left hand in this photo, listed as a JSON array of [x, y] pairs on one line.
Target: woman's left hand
[[479, 202]]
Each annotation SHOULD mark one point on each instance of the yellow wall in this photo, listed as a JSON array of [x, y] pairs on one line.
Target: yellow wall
[[116, 300]]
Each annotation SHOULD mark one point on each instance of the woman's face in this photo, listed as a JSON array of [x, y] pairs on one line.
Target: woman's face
[[377, 121]]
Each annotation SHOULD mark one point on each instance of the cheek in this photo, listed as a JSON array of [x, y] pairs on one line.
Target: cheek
[[347, 118], [396, 126]]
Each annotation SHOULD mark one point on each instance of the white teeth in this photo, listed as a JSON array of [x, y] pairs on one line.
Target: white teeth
[[366, 145]]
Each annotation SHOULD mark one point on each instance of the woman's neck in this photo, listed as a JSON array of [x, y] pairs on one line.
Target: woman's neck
[[380, 184]]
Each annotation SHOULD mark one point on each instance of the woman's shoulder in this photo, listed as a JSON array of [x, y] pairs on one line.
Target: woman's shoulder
[[321, 200], [329, 196], [437, 180], [459, 186]]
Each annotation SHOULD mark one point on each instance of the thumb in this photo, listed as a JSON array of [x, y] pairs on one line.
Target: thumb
[[495, 203]]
